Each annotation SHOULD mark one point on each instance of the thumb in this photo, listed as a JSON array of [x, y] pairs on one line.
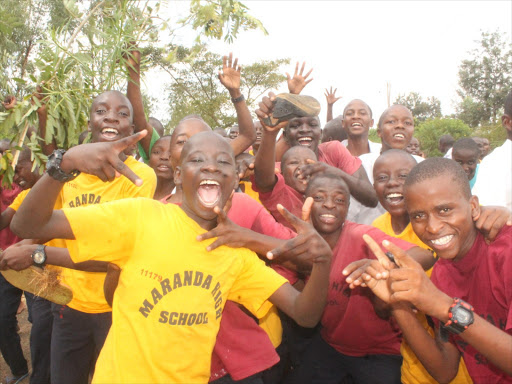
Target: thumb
[[402, 259], [306, 209], [292, 219]]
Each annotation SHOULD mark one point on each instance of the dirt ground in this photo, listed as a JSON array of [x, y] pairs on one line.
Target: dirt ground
[[25, 344]]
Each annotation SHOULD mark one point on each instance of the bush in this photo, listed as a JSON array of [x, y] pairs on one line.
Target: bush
[[429, 132]]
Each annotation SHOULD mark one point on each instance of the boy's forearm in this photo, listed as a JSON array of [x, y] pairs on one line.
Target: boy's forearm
[[361, 188], [440, 359], [264, 163], [310, 304], [247, 133], [33, 218], [329, 112], [6, 217], [133, 94]]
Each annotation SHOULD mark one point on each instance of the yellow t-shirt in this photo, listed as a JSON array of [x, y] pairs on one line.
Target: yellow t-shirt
[[19, 199], [413, 371], [85, 190], [171, 293]]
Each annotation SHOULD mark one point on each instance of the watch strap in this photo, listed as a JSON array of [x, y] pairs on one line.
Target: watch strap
[[238, 99], [41, 248], [54, 170], [452, 324]]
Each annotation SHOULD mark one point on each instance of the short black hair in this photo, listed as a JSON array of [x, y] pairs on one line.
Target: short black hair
[[25, 154], [447, 140], [334, 129], [386, 111], [295, 149], [466, 143], [325, 175], [508, 104], [400, 152], [435, 167], [364, 102]]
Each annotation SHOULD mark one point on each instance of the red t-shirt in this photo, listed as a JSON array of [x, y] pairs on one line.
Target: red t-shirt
[[350, 324], [7, 196], [284, 195], [337, 155], [483, 278]]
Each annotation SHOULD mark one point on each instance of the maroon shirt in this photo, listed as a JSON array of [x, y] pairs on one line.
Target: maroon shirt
[[7, 196], [483, 278]]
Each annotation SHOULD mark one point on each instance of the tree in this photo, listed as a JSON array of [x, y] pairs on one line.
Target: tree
[[196, 89], [429, 132], [75, 50], [485, 80], [421, 110]]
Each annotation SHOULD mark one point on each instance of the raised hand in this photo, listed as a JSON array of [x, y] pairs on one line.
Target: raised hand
[[297, 83], [266, 107], [102, 159], [230, 74], [308, 246], [9, 102], [330, 96]]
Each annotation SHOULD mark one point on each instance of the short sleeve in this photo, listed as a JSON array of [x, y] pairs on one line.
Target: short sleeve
[[255, 284], [104, 232], [335, 154], [15, 205], [148, 176]]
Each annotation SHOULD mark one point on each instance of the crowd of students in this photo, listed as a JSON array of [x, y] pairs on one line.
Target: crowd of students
[[275, 252]]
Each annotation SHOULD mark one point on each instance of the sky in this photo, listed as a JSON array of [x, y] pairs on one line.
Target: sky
[[359, 47]]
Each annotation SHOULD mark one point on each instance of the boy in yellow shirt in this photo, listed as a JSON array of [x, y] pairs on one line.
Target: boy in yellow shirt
[[170, 296]]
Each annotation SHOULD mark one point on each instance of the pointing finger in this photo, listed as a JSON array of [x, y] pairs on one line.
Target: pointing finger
[[402, 259], [377, 251]]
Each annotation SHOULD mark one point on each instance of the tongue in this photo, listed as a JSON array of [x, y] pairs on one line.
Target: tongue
[[209, 194]]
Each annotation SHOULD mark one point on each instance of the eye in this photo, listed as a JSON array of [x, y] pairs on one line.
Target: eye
[[100, 111], [391, 122], [224, 161], [382, 178], [417, 216], [181, 142], [403, 176], [317, 198], [408, 123], [445, 210], [124, 114], [339, 200], [196, 160]]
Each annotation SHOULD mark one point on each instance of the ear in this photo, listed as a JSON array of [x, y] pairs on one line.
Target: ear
[[475, 207], [379, 133], [371, 123], [506, 121], [89, 126], [177, 175]]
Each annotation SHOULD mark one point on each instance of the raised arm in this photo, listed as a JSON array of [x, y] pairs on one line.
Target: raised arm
[[264, 163], [331, 98], [134, 95], [230, 78], [36, 219]]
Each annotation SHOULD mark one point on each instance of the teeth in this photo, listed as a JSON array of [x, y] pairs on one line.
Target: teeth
[[442, 240], [356, 125], [328, 215], [209, 182], [399, 135], [305, 139], [393, 195], [110, 130]]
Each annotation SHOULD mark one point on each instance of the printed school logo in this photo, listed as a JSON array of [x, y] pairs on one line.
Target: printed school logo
[[84, 199], [179, 281]]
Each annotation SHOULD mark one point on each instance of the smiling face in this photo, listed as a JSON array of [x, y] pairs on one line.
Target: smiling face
[[259, 134], [357, 119], [181, 134], [414, 147], [111, 117], [389, 173], [442, 216], [160, 158], [207, 176], [234, 132], [304, 131], [331, 198], [396, 127], [23, 175], [468, 160], [291, 161]]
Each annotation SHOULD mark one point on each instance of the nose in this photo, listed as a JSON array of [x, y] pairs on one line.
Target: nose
[[210, 166], [165, 156], [111, 115], [434, 225], [393, 181], [328, 203]]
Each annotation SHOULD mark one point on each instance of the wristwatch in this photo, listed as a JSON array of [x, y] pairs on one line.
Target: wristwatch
[[238, 99], [39, 256], [54, 170], [460, 316]]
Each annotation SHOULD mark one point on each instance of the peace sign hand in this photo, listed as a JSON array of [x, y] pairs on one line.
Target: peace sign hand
[[308, 246], [102, 159]]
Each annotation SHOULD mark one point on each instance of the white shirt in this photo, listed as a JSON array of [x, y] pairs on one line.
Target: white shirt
[[374, 147], [494, 183], [359, 213]]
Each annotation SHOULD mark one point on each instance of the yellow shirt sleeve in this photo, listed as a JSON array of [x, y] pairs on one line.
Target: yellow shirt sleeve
[[255, 284], [19, 199], [119, 219]]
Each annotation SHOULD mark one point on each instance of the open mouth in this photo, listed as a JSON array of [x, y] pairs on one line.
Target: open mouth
[[306, 141], [394, 198], [109, 133], [442, 241], [209, 193], [327, 218], [399, 136], [22, 184], [163, 168]]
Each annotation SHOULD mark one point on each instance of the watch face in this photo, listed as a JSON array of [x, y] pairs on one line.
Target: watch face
[[39, 257], [462, 315]]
